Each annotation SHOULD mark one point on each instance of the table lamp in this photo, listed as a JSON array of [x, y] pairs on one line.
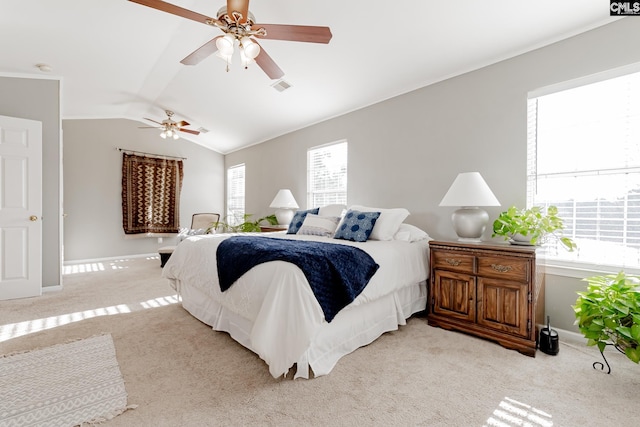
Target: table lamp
[[285, 204], [469, 191]]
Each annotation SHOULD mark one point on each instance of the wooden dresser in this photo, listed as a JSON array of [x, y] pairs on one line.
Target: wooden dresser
[[491, 290]]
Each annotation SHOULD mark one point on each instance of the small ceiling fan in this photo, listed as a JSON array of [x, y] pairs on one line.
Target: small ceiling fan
[[169, 127], [238, 24]]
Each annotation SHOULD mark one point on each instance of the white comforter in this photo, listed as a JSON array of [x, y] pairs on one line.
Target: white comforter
[[276, 296]]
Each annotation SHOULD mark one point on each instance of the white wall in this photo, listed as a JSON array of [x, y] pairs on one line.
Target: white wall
[[93, 178], [39, 99], [406, 151]]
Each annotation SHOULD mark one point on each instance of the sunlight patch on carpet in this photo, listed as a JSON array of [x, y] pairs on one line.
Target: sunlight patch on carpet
[[511, 413], [66, 384], [14, 330]]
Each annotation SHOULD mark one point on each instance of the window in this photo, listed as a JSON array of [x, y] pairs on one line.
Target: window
[[584, 158], [235, 195], [327, 175]]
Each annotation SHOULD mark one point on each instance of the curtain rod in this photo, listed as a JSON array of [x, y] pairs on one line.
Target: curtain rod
[[150, 154]]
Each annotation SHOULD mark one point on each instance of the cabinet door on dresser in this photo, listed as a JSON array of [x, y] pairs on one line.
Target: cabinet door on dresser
[[454, 295], [503, 293], [502, 306]]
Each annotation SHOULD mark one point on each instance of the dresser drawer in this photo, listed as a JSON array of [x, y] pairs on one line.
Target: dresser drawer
[[453, 261], [514, 269]]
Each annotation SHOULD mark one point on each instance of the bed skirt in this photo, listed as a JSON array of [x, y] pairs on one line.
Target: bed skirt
[[353, 327]]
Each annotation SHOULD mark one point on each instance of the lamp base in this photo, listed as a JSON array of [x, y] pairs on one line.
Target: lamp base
[[284, 217], [469, 223]]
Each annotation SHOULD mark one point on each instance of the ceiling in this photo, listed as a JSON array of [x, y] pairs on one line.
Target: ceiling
[[119, 59]]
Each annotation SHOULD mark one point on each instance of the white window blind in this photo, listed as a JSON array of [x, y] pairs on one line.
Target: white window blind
[[584, 158], [327, 175], [235, 194]]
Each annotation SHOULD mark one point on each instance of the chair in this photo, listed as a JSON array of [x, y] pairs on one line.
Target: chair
[[201, 223], [204, 221]]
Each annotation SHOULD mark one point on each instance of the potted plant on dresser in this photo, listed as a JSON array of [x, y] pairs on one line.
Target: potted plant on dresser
[[608, 314], [247, 225], [531, 226]]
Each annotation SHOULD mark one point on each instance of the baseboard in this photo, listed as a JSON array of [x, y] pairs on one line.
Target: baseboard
[[115, 258]]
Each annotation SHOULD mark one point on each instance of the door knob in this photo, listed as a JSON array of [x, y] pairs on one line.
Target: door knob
[[33, 218]]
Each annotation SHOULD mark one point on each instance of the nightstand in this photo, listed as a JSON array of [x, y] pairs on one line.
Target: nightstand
[[491, 290], [272, 228]]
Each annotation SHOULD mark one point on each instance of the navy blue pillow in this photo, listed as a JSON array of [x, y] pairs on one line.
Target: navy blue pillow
[[356, 226], [298, 219]]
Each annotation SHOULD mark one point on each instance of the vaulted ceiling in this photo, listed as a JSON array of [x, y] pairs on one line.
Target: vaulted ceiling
[[120, 59]]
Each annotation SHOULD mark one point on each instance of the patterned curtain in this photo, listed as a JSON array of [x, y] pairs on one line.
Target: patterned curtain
[[150, 194]]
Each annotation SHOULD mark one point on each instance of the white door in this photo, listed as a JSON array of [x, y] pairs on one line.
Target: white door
[[20, 208]]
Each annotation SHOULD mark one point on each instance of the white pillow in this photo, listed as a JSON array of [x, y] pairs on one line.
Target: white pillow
[[410, 233], [387, 224], [316, 225], [332, 210]]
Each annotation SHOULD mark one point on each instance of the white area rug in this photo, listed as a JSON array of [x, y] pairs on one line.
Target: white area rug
[[63, 385]]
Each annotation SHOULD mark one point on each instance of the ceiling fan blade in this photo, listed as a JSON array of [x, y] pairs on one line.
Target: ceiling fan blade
[[175, 10], [194, 132], [268, 65], [182, 123], [296, 33], [240, 6], [204, 51], [148, 127], [151, 120]]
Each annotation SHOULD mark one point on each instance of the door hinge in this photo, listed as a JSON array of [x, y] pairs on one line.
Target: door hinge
[[528, 325], [529, 297]]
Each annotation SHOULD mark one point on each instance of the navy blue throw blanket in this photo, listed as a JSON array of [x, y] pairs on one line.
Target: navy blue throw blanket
[[336, 273]]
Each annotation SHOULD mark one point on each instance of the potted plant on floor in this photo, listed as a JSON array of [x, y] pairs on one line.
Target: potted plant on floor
[[608, 313], [531, 226]]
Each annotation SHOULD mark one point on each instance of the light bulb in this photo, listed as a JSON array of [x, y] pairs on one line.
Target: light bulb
[[163, 135], [175, 135], [251, 48]]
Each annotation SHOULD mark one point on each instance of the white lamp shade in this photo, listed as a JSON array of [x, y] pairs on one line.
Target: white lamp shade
[[284, 200], [225, 44], [251, 49], [469, 189]]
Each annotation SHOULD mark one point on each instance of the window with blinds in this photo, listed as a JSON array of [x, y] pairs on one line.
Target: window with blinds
[[235, 195], [327, 175], [584, 158]]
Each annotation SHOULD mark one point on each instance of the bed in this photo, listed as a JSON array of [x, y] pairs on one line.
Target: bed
[[272, 310]]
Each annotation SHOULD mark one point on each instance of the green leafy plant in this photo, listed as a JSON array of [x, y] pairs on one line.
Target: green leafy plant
[[534, 224], [247, 225], [608, 313]]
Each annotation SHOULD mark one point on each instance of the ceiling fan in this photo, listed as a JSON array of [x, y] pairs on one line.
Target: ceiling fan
[[238, 24], [169, 127]]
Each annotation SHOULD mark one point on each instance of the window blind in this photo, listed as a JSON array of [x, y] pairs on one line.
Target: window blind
[[235, 194], [327, 175], [584, 158]]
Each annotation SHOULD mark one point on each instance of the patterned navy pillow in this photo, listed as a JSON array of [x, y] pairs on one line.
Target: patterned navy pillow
[[298, 219], [356, 226]]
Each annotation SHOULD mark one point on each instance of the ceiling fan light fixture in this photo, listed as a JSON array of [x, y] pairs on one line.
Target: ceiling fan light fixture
[[225, 44], [245, 60], [251, 48], [163, 135]]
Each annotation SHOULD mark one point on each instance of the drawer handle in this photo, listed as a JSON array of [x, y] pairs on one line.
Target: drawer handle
[[501, 268], [453, 262]]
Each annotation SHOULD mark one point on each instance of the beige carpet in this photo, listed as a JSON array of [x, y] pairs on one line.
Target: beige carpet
[[180, 373]]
